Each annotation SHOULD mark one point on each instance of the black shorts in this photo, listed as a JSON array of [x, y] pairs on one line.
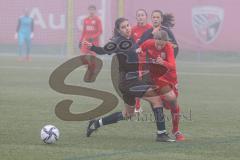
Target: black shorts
[[133, 88]]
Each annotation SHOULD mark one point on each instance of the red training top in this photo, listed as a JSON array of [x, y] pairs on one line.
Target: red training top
[[92, 29], [137, 31], [167, 54]]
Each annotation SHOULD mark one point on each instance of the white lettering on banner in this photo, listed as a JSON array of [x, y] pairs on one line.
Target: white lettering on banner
[[38, 19], [61, 25], [52, 20]]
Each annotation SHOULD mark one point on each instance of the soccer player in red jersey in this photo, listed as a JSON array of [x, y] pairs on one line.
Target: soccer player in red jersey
[[137, 31], [92, 29], [161, 51]]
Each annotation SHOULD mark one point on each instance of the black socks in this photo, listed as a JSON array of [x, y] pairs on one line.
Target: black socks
[[113, 118], [160, 120]]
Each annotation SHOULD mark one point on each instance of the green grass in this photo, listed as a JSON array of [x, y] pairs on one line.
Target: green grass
[[209, 90]]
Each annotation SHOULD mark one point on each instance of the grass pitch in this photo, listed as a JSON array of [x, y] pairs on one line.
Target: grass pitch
[[209, 98]]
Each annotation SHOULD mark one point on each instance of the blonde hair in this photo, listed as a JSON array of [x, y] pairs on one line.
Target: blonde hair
[[161, 35]]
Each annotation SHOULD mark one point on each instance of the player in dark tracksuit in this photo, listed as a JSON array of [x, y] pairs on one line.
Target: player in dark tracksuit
[[157, 19], [130, 85]]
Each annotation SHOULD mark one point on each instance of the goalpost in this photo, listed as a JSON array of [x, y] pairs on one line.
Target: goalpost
[[70, 28], [121, 4]]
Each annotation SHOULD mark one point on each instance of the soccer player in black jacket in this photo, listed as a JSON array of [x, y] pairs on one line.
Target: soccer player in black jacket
[[158, 18]]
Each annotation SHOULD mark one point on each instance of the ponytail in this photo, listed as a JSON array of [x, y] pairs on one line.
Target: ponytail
[[168, 20]]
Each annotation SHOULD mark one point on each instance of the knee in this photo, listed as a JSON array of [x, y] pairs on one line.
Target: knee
[[155, 101], [171, 99], [156, 104]]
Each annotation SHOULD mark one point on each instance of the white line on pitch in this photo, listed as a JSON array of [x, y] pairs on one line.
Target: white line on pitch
[[107, 70]]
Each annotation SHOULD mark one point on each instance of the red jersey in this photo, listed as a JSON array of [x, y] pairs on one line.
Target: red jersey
[[137, 31], [167, 54], [92, 29]]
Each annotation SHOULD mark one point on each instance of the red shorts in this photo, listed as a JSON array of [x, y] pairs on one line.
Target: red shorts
[[160, 82], [85, 51]]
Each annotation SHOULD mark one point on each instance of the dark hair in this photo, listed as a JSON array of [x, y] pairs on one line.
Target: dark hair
[[117, 26], [168, 20], [158, 11], [92, 7], [142, 10]]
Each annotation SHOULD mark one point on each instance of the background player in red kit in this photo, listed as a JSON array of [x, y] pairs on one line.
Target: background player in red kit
[[137, 31], [161, 51], [142, 25], [92, 29]]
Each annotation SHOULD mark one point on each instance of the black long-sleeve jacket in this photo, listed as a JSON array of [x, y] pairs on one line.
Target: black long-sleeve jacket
[[125, 50]]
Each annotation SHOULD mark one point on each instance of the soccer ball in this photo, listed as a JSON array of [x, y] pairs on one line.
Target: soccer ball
[[49, 134]]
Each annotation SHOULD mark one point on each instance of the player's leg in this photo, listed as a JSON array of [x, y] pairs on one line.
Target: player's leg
[[171, 103], [138, 108], [20, 46], [157, 109], [175, 122], [96, 123], [91, 67], [175, 113], [28, 47], [147, 91], [84, 52], [94, 66], [127, 112], [89, 59]]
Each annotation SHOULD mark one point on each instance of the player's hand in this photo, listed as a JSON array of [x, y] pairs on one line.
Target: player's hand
[[159, 60], [139, 50], [80, 45], [90, 39], [155, 30], [32, 35], [88, 44], [174, 45], [16, 36]]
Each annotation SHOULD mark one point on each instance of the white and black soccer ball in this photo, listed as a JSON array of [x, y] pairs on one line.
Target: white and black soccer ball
[[49, 134]]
